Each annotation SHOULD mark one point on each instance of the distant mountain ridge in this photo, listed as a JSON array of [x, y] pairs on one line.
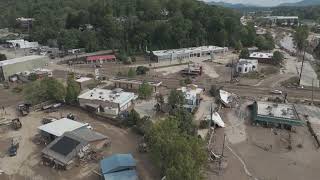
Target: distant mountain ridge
[[228, 5], [239, 5], [303, 3]]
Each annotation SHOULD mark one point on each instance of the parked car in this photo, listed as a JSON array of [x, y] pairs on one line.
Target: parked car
[[276, 92]]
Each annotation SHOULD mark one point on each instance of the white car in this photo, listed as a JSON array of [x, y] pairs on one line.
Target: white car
[[276, 92]]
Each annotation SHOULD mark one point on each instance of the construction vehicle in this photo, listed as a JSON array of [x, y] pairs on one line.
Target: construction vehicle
[[16, 124], [24, 109]]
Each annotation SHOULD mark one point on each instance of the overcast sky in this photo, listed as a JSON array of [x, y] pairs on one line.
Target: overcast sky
[[257, 2]]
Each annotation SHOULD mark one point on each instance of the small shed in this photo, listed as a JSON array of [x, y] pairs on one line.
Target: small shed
[[84, 82]]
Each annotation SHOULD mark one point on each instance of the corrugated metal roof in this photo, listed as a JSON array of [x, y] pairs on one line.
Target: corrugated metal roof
[[116, 163], [122, 175], [59, 127], [89, 135]]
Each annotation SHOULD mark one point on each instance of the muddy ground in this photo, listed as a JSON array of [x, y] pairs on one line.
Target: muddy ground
[[27, 164]]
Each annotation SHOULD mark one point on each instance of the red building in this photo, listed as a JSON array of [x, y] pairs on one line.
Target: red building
[[101, 59]]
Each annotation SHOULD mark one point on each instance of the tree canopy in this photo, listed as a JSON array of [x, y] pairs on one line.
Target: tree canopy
[[177, 154], [131, 25], [300, 37], [48, 89]]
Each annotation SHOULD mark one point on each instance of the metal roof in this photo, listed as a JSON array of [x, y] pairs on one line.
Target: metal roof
[[117, 162], [89, 135], [120, 98], [59, 127], [20, 59], [122, 175], [64, 148]]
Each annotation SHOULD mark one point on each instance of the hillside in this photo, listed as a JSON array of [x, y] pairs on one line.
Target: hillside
[[128, 25], [303, 3]]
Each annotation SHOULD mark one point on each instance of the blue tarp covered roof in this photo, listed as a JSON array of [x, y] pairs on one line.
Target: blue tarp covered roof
[[122, 175], [116, 163]]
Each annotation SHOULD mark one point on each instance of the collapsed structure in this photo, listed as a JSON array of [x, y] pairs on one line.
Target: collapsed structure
[[187, 53], [192, 94], [247, 65], [27, 63], [110, 102], [129, 83]]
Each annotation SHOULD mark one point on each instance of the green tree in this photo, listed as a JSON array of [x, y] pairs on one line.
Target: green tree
[[176, 99], [133, 118], [131, 73], [300, 37], [317, 50], [244, 54], [145, 90], [277, 58], [142, 70], [178, 155], [47, 89], [3, 57], [73, 91]]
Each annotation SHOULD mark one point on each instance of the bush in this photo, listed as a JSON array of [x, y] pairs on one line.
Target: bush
[[188, 81], [204, 124], [131, 73], [244, 54], [142, 70], [17, 89]]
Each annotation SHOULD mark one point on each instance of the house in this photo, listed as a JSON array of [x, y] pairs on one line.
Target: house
[[262, 57], [192, 94], [247, 65], [119, 167], [200, 53], [17, 65], [101, 59], [110, 102], [84, 82], [57, 128], [62, 152]]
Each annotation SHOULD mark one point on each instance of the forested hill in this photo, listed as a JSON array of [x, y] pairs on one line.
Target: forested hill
[[128, 24]]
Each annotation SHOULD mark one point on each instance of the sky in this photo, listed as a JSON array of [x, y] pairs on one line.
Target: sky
[[257, 2]]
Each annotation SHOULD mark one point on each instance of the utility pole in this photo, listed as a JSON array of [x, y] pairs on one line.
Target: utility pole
[[303, 58], [222, 154], [231, 72], [312, 91]]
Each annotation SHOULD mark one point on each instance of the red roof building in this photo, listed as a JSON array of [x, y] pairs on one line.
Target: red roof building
[[101, 59]]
